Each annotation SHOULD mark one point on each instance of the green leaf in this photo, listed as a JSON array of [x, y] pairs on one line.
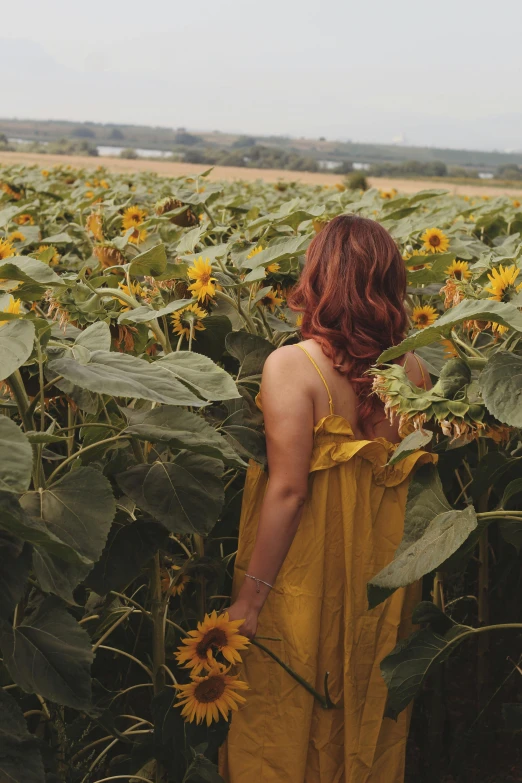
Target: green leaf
[[185, 495], [278, 250], [127, 550], [143, 313], [250, 350], [411, 443], [201, 374], [16, 345], [77, 510], [97, 337], [500, 384], [152, 262], [20, 759], [406, 667], [50, 654], [57, 239], [469, 309], [181, 430], [247, 441], [512, 717], [513, 488], [16, 457], [28, 269], [122, 375], [15, 520], [454, 378], [443, 536], [16, 566]]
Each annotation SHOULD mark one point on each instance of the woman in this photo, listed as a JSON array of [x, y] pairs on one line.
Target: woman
[[328, 520]]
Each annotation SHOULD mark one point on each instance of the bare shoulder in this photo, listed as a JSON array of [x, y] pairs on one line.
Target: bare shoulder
[[288, 357], [417, 371]]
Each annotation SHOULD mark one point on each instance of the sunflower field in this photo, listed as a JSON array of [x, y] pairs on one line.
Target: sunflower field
[[136, 313]]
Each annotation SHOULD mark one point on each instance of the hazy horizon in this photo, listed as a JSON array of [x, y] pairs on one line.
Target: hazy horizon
[[368, 74]]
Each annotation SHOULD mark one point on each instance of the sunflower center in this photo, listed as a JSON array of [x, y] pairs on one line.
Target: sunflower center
[[422, 318], [434, 241], [210, 689], [213, 638], [457, 274], [205, 278], [508, 293]]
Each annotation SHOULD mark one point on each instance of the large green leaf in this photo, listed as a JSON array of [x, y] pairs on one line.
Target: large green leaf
[[433, 531], [122, 375], [50, 654], [20, 759], [201, 374], [143, 314], [27, 270], [15, 557], [127, 550], [411, 443], [469, 309], [278, 251], [185, 495], [16, 521], [78, 509], [405, 668], [250, 350], [500, 384], [16, 345], [151, 262], [97, 337], [16, 457], [181, 430]]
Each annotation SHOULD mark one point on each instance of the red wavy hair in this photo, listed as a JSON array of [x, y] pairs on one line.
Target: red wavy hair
[[351, 294]]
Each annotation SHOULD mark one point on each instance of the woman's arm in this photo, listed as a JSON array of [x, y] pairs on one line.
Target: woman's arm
[[289, 425]]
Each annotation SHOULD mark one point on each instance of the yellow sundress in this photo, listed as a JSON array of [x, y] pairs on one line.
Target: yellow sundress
[[351, 525]]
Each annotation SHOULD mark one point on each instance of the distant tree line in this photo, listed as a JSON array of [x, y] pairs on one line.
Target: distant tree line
[[255, 156]]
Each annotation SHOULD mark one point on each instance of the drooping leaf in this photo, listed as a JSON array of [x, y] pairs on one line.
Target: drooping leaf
[[250, 350], [469, 309], [28, 270], [185, 495], [279, 249], [15, 557], [123, 375], [143, 314], [16, 457], [50, 654], [127, 550], [249, 442], [406, 667], [182, 430], [501, 386], [97, 337], [411, 443], [20, 758], [16, 345], [201, 374], [16, 521], [443, 536], [78, 509], [152, 262]]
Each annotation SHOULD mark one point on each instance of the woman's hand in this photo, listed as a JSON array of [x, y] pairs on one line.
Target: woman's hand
[[240, 610]]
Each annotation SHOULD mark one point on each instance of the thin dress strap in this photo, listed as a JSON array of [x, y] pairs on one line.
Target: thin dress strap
[[330, 401]]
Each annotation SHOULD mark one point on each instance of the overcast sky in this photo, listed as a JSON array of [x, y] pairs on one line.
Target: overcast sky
[[445, 73]]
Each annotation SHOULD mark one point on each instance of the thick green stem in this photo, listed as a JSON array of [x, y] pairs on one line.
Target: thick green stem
[[17, 387], [158, 640], [79, 453], [483, 590], [237, 306], [116, 293]]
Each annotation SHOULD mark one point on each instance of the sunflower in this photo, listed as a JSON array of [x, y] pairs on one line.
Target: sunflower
[[16, 195], [89, 194], [205, 697], [108, 255], [204, 284], [503, 283], [94, 225], [44, 173], [516, 203], [104, 184], [387, 194], [216, 633], [134, 291], [190, 317], [272, 268], [255, 251], [55, 258], [435, 241], [413, 265], [271, 300], [458, 270], [424, 316], [449, 349], [13, 307], [132, 217], [174, 586], [6, 249], [24, 220], [16, 236]]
